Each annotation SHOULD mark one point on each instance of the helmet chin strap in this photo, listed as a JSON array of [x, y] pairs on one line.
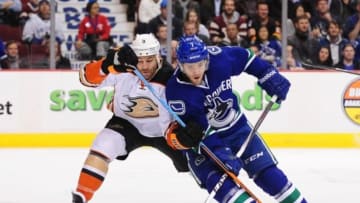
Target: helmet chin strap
[[159, 62]]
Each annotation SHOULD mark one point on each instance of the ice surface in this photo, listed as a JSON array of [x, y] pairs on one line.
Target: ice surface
[[48, 175]]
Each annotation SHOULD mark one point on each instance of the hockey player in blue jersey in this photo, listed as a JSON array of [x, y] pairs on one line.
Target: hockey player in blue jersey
[[200, 92]]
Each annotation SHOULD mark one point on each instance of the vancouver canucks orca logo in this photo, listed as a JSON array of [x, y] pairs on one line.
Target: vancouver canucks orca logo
[[140, 107], [221, 112]]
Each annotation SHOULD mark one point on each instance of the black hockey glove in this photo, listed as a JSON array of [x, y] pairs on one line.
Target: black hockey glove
[[108, 61], [127, 59], [184, 138]]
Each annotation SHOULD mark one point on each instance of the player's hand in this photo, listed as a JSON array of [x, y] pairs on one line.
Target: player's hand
[[108, 62], [126, 59], [223, 153], [275, 84], [181, 138], [91, 75]]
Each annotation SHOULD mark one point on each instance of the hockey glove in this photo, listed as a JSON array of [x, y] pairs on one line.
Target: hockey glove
[[223, 153], [108, 62], [126, 59], [91, 75], [275, 84], [180, 138]]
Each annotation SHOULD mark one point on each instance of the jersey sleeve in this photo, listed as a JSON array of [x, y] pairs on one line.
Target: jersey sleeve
[[239, 59], [245, 60]]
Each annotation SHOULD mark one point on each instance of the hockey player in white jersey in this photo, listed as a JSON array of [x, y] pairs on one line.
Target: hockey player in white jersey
[[200, 92], [139, 119]]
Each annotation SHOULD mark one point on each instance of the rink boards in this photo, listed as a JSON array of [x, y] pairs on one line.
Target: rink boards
[[52, 109]]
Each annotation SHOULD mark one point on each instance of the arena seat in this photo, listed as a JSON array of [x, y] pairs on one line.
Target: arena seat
[[8, 32]]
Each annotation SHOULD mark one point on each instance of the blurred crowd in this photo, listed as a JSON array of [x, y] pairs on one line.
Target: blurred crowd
[[319, 32]]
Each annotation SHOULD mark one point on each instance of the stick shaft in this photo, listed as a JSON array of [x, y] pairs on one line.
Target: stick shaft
[[163, 102], [256, 127], [327, 68], [229, 173]]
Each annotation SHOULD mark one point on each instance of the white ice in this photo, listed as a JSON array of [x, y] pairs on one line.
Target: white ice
[[48, 175]]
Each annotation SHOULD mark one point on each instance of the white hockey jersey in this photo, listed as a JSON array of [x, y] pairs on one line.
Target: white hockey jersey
[[134, 102], [36, 29]]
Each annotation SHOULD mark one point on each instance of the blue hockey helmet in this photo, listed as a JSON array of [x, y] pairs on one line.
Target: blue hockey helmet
[[191, 49]]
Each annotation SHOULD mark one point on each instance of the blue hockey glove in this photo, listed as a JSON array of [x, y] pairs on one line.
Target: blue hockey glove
[[275, 84], [223, 153], [269, 79]]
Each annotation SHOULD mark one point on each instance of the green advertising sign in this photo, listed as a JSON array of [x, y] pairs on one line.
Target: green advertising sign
[[83, 100]]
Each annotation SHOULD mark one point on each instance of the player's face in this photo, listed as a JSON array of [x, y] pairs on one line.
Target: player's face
[[195, 71], [147, 65]]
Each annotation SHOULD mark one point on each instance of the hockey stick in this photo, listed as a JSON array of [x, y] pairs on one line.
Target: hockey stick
[[163, 102], [223, 178], [327, 68], [178, 119], [257, 125], [246, 143]]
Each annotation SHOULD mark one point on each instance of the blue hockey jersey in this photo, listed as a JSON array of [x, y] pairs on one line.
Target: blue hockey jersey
[[212, 104]]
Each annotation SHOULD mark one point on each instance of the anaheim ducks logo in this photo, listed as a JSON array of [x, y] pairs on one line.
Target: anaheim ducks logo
[[141, 107]]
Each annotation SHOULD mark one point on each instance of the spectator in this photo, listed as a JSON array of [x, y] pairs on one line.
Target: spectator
[[93, 40], [209, 10], [9, 11], [191, 28], [193, 16], [10, 5], [261, 18], [275, 9], [342, 8], [13, 60], [174, 60], [352, 24], [162, 19], [348, 60], [161, 35], [304, 45], [309, 6], [321, 19], [3, 55], [323, 57], [291, 62], [254, 49], [148, 9], [297, 11], [232, 37], [248, 7], [229, 15], [334, 40], [131, 9], [182, 7], [31, 6], [37, 28], [269, 47]]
